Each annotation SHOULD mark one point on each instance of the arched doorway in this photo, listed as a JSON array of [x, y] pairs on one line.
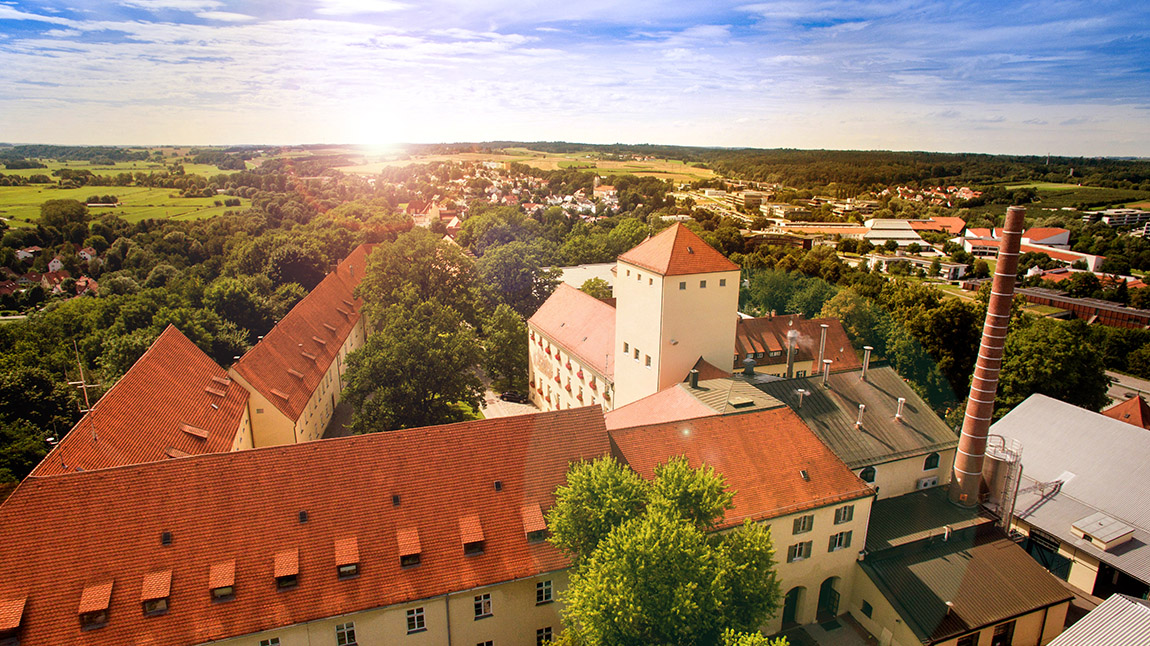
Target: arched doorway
[[791, 605], [828, 599]]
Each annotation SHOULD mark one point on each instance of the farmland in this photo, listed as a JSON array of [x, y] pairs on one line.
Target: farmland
[[20, 205]]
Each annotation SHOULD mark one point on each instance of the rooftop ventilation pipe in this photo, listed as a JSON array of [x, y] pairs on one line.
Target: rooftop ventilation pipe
[[823, 342], [866, 360], [898, 413], [862, 409], [967, 479], [801, 392], [693, 378], [792, 341], [826, 370], [748, 367]]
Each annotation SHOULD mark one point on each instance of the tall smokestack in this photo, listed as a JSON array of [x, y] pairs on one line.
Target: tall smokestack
[[967, 479], [792, 341], [823, 343]]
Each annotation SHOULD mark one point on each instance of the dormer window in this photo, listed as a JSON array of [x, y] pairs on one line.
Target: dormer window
[[11, 616], [154, 594], [471, 535], [222, 581], [287, 569], [347, 557], [409, 547], [534, 525], [94, 602]]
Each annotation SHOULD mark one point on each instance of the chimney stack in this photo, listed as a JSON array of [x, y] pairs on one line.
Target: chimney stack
[[792, 341], [823, 343], [967, 478], [826, 370], [693, 378], [866, 360]]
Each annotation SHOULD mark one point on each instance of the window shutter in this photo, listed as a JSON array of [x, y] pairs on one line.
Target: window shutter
[[831, 545], [847, 539]]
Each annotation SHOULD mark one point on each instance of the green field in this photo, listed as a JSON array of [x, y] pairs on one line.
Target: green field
[[207, 170], [1056, 197], [1047, 186], [20, 205]]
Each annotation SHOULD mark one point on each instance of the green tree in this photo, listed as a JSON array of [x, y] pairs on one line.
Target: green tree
[[236, 302], [421, 261], [596, 287], [1053, 358], [505, 349], [516, 274], [417, 369], [60, 213], [598, 496]]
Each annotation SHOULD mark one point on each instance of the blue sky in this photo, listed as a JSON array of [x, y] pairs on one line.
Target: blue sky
[[1062, 77]]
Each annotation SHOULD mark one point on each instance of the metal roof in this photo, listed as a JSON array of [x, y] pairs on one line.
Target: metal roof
[[917, 516], [984, 575], [1118, 621], [831, 412]]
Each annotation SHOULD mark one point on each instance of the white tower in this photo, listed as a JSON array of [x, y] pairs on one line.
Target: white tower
[[677, 302]]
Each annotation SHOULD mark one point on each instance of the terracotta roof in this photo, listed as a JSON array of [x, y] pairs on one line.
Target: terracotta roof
[[581, 324], [157, 585], [760, 454], [11, 613], [346, 551], [291, 347], [677, 251], [174, 386], [1057, 254], [708, 370], [979, 232], [947, 224], [64, 533], [1132, 411], [667, 405], [769, 334], [1038, 234]]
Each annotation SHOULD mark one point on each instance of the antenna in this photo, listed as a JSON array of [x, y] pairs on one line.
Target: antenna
[[82, 384]]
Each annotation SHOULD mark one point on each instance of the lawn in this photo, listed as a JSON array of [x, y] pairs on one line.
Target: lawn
[[20, 205]]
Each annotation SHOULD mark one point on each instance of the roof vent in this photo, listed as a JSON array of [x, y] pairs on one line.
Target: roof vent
[[223, 381], [499, 485], [805, 476], [165, 538], [690, 250], [295, 373], [898, 413], [862, 409], [214, 391], [303, 515], [395, 500], [308, 355], [740, 401]]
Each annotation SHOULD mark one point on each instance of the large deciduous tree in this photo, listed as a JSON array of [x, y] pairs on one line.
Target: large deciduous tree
[[505, 349], [422, 262], [1053, 358], [516, 275]]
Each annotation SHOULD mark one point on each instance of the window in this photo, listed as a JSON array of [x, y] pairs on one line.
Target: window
[[626, 348], [1003, 634], [682, 284], [636, 353], [839, 541], [540, 535], [703, 284], [722, 282], [639, 277], [287, 582], [844, 514], [350, 570], [345, 634], [968, 640], [801, 373], [156, 606], [274, 641], [804, 524], [543, 592], [931, 462], [486, 643], [543, 636], [415, 620], [650, 281], [97, 619], [647, 360], [473, 548], [225, 593], [482, 606], [867, 609], [799, 551]]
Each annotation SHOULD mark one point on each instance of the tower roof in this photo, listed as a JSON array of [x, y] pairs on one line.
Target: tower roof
[[1132, 411], [676, 252]]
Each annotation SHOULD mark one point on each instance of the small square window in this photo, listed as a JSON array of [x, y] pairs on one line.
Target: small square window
[[628, 272], [415, 621], [348, 571], [287, 582], [225, 593], [409, 560], [722, 282], [799, 551], [274, 641], [260, 411], [473, 548], [647, 360], [543, 592], [486, 643], [682, 284], [839, 541], [626, 347], [703, 284], [867, 609], [543, 636], [650, 281], [345, 634], [639, 277], [636, 353], [540, 535], [156, 606], [482, 606], [90, 620]]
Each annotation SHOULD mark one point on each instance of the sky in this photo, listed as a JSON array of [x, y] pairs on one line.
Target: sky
[[995, 76]]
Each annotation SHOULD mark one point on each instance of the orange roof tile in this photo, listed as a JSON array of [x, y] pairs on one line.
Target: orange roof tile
[[346, 551], [533, 518], [222, 575], [286, 563], [291, 347], [157, 585], [1038, 234], [470, 529], [708, 371], [407, 541], [96, 597], [759, 454], [11, 613], [158, 409], [581, 324], [666, 405], [769, 334], [240, 506], [678, 251], [1132, 411]]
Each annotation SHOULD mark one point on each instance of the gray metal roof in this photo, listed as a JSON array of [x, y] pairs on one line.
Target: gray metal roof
[[731, 396], [917, 516], [1098, 459], [831, 413], [984, 575], [1118, 621]]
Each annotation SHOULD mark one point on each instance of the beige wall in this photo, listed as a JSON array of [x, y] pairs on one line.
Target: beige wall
[[900, 477], [639, 306], [244, 433], [811, 572], [514, 619], [541, 371], [270, 427]]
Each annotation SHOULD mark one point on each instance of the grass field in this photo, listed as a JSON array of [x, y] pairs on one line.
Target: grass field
[[207, 170], [1056, 197], [20, 205], [1047, 186]]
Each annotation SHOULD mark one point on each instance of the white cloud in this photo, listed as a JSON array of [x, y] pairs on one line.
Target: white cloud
[[352, 7], [224, 16], [178, 5], [11, 13]]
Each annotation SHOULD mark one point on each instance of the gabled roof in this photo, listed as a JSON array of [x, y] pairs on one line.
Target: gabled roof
[[288, 364], [832, 412], [83, 530], [173, 399], [986, 578], [1132, 411], [677, 251], [582, 325], [708, 370], [769, 334], [1118, 621], [680, 401], [760, 454], [1038, 234]]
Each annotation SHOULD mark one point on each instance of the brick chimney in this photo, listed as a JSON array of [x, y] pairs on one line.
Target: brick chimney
[[967, 478]]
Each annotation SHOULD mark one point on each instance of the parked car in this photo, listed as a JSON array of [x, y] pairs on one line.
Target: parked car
[[512, 396]]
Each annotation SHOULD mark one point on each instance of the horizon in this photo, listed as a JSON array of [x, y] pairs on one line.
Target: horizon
[[978, 77]]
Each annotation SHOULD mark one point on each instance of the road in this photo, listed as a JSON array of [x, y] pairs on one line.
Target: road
[[1123, 387], [493, 406]]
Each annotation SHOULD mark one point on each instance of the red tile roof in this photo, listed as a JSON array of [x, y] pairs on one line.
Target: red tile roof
[[946, 224], [666, 405], [979, 232], [581, 324], [1038, 234], [157, 585], [301, 344], [143, 416], [678, 251], [769, 334], [11, 613], [64, 533], [347, 551], [1132, 411], [708, 371], [760, 454]]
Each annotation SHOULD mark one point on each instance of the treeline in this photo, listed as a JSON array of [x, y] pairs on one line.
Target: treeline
[[71, 153]]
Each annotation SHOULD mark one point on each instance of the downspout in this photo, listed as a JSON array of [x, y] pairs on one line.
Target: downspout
[[447, 615]]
